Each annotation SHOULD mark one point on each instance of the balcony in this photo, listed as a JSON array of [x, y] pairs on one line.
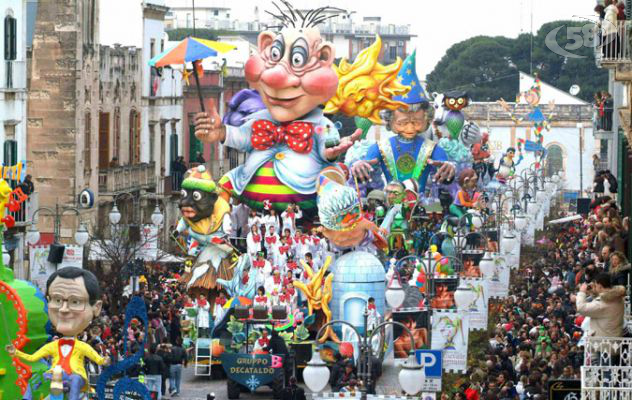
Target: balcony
[[602, 123], [607, 369], [23, 215], [614, 49], [127, 178]]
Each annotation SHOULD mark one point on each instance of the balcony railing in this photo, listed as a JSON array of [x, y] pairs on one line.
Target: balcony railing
[[126, 178], [607, 369], [612, 45], [23, 215]]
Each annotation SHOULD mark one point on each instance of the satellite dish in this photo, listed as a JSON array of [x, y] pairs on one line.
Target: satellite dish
[[574, 90]]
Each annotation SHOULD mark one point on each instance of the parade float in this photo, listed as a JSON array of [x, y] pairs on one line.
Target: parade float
[[401, 214]]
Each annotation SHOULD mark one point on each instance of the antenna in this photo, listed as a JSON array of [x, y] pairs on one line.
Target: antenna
[[531, 49], [193, 6]]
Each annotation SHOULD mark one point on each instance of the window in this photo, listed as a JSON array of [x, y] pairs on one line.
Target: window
[[152, 48], [10, 38], [116, 144], [216, 12], [134, 137], [163, 145], [87, 139], [88, 21], [152, 143], [104, 140], [10, 152], [555, 160], [162, 45]]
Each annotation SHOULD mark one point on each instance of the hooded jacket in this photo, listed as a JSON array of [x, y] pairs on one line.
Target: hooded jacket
[[605, 312], [621, 274]]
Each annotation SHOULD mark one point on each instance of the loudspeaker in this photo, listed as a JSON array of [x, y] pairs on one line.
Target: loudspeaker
[[583, 206], [279, 312], [134, 233], [56, 253], [260, 312], [242, 312]]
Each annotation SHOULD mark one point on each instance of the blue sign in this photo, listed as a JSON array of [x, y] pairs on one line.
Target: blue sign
[[252, 370], [432, 362]]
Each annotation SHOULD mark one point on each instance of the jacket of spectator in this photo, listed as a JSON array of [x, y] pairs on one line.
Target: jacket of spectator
[[605, 312]]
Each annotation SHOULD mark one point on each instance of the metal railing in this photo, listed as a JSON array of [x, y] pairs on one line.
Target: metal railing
[[603, 122], [612, 43], [607, 369], [23, 215], [126, 178]]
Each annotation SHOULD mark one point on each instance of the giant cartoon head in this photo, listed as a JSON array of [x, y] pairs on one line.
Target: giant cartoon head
[[292, 69], [198, 194]]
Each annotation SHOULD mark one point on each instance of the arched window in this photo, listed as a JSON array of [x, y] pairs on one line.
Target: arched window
[[554, 160], [10, 38], [117, 134]]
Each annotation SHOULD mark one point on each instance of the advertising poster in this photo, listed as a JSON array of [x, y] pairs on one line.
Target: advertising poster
[[478, 308], [418, 321], [450, 333], [40, 269]]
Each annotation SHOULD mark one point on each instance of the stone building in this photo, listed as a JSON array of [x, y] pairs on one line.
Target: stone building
[[88, 122]]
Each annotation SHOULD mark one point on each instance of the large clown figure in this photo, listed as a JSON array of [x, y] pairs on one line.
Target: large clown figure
[[407, 155], [285, 145]]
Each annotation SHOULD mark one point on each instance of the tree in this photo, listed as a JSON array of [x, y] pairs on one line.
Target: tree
[[121, 254], [487, 67]]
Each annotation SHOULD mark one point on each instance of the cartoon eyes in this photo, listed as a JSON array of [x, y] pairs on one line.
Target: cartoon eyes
[[183, 193], [277, 49], [298, 56], [299, 53], [461, 100], [452, 101], [197, 196]]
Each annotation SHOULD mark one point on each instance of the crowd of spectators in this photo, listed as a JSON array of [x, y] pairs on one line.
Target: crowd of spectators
[[164, 358], [558, 297]]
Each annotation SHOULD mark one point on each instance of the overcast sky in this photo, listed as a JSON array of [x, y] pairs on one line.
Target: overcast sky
[[438, 25]]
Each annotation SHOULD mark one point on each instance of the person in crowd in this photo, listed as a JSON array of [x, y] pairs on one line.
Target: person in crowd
[[292, 391], [178, 359], [620, 269], [27, 185], [606, 310], [155, 368]]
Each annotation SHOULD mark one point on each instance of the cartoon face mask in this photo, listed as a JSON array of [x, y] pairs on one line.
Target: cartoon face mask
[[196, 204]]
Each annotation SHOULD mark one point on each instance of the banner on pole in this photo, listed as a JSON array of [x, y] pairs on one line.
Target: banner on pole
[[450, 333]]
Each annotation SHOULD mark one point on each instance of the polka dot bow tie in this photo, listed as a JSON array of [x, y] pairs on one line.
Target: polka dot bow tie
[[297, 135]]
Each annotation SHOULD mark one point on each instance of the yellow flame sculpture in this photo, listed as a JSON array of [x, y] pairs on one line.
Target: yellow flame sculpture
[[319, 295]]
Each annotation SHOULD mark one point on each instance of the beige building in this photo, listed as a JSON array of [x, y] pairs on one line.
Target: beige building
[[85, 122]]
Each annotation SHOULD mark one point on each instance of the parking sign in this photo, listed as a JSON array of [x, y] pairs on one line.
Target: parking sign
[[433, 369]]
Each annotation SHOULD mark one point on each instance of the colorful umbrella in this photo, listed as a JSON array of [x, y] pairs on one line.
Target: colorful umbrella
[[238, 301], [191, 50]]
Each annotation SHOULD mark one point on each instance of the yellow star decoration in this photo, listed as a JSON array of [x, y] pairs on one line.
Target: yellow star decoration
[[318, 296], [409, 71], [186, 74], [399, 79], [405, 96], [413, 83]]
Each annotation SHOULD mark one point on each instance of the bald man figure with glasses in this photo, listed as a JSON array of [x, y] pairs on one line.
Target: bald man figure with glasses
[[73, 302]]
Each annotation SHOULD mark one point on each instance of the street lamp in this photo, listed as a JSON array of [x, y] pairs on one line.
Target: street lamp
[[33, 234], [114, 215], [395, 295], [157, 217], [316, 374]]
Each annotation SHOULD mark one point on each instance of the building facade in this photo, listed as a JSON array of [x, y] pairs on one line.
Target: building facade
[[94, 122], [348, 32]]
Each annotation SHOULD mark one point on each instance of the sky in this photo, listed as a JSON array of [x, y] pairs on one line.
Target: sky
[[437, 25]]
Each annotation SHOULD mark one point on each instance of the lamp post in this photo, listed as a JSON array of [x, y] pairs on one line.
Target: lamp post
[[316, 374], [81, 234], [114, 216]]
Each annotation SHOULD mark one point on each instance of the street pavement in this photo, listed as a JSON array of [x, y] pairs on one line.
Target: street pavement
[[197, 387]]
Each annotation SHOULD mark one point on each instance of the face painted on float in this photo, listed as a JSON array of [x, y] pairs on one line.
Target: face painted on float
[[409, 124], [292, 72], [196, 204], [394, 194]]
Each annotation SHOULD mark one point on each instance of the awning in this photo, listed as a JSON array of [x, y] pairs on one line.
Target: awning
[[566, 219]]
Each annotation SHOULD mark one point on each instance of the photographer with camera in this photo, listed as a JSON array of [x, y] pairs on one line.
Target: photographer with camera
[[606, 309]]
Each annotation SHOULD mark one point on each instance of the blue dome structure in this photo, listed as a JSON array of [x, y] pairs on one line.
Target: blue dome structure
[[357, 276]]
